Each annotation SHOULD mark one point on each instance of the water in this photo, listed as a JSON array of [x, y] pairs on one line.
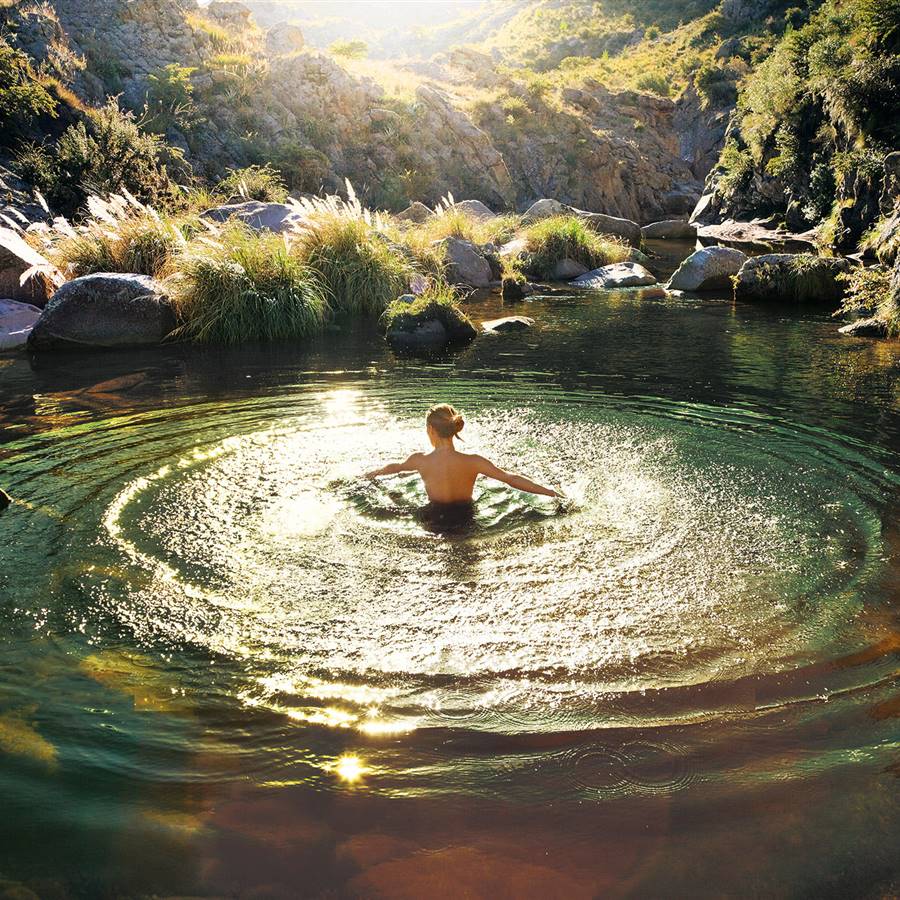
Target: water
[[231, 667]]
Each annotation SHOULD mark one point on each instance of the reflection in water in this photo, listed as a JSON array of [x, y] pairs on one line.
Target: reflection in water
[[243, 668]]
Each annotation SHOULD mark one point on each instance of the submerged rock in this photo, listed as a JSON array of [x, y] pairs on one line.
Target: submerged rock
[[709, 269], [670, 229], [16, 321], [104, 310], [873, 327], [508, 323], [16, 258], [416, 212], [466, 265], [277, 217], [800, 277], [617, 275]]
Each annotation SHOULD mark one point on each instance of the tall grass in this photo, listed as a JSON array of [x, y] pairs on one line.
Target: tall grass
[[121, 235], [437, 302], [263, 183], [567, 237], [238, 286], [361, 268]]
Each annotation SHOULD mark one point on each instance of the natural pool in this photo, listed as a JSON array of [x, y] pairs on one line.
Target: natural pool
[[228, 667]]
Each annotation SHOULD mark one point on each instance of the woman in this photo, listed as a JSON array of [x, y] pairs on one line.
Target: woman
[[449, 475]]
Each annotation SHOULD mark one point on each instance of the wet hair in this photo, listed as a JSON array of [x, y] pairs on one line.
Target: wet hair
[[445, 420]]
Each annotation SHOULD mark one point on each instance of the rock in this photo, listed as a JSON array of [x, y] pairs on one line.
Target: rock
[[709, 269], [755, 236], [618, 275], [433, 325], [283, 38], [544, 209], [873, 327], [16, 321], [415, 212], [475, 209], [507, 323], [670, 229], [104, 310], [567, 269], [229, 12], [513, 290], [5, 500], [278, 217], [515, 247], [800, 277], [16, 258], [465, 263]]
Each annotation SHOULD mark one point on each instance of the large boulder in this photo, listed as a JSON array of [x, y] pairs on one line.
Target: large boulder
[[283, 38], [16, 321], [617, 275], [670, 229], [416, 212], [475, 209], [566, 269], [104, 310], [709, 269], [466, 265], [799, 277], [259, 216], [18, 258], [623, 228]]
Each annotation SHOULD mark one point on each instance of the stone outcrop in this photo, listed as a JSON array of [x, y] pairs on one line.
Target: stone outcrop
[[284, 38], [277, 217], [670, 229], [16, 322], [104, 310], [788, 277], [709, 269], [617, 275], [17, 259]]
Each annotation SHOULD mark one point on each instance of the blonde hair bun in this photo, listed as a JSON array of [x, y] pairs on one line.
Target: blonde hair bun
[[445, 420]]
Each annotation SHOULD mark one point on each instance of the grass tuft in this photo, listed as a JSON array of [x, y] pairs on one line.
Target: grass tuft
[[567, 237]]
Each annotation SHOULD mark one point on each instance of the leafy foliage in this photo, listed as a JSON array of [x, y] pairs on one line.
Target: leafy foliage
[[263, 183], [23, 96]]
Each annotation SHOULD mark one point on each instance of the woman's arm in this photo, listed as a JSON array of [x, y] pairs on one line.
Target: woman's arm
[[410, 464], [519, 482]]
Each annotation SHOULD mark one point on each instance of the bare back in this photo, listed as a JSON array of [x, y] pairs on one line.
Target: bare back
[[449, 475]]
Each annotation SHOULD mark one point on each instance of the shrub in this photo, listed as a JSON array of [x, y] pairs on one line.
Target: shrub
[[104, 154], [22, 96], [360, 268], [170, 98], [869, 291], [350, 49], [242, 287], [568, 237], [736, 164], [263, 183]]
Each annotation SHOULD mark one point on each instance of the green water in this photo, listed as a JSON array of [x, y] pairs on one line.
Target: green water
[[229, 667]]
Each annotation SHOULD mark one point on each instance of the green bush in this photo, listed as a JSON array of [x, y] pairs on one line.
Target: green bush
[[350, 49], [437, 302], [103, 154], [568, 237], [359, 267], [869, 292], [170, 98], [263, 183], [245, 287], [22, 96]]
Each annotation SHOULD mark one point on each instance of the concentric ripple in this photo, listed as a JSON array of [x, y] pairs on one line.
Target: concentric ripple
[[709, 565]]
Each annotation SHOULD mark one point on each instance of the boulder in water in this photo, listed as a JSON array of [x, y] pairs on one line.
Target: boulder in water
[[709, 269], [277, 217], [426, 324], [670, 229], [5, 499], [466, 264], [873, 327], [617, 275], [514, 289], [798, 277], [104, 310], [623, 228], [16, 321], [508, 323]]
